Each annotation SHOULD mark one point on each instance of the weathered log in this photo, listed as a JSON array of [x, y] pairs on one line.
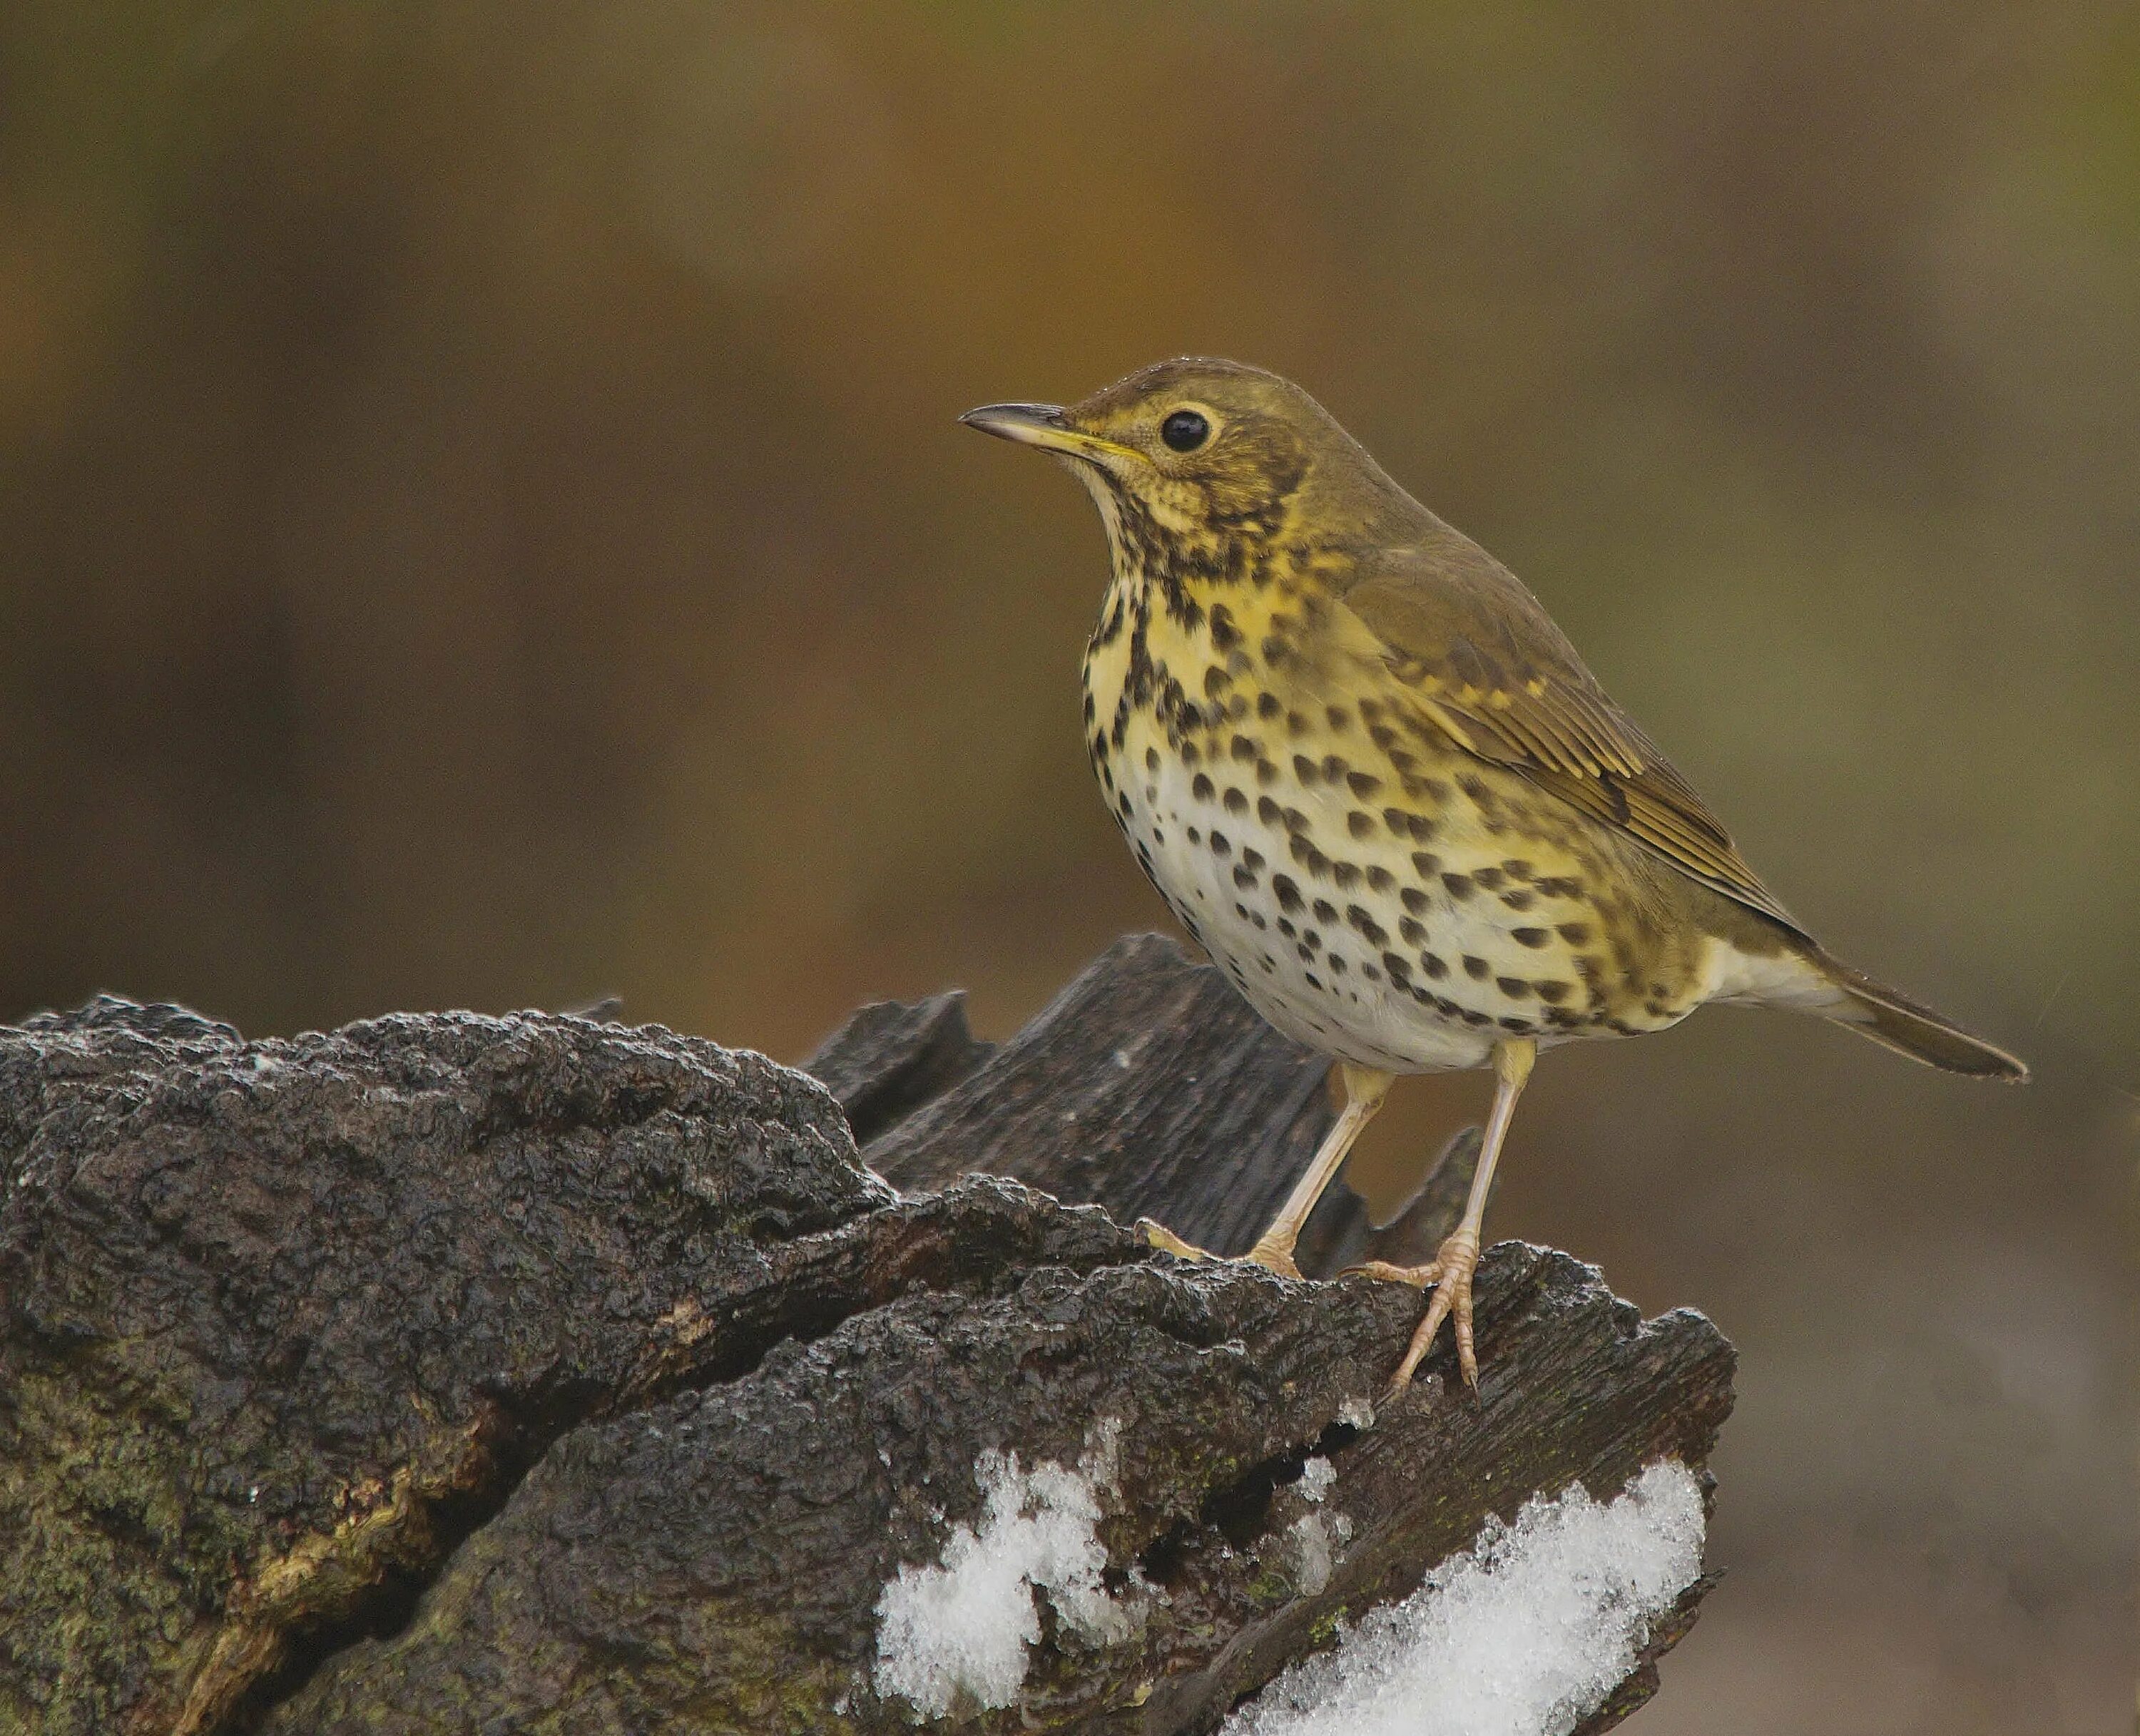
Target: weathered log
[[447, 1373], [1147, 1086]]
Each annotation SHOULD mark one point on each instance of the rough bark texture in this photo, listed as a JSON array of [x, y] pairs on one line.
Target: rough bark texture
[[458, 1374], [1148, 1086]]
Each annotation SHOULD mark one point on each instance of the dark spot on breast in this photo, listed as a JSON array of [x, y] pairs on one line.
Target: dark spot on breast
[[1365, 926], [1339, 718], [1216, 681], [1398, 966], [1424, 863], [1235, 801], [1370, 973], [1380, 879], [1312, 980], [1288, 893], [1529, 937], [1515, 988], [1459, 885], [1516, 1024], [1475, 969], [1295, 821], [1285, 925], [1325, 911], [1195, 836], [1295, 724], [1252, 859], [1202, 788], [1432, 964], [1413, 930], [1266, 705], [1554, 993], [1360, 825], [1489, 878], [1221, 845], [1303, 768], [1346, 874], [1415, 900], [1266, 773], [1242, 747], [1337, 965], [1575, 933], [1244, 876], [1519, 900], [1561, 886], [1382, 735]]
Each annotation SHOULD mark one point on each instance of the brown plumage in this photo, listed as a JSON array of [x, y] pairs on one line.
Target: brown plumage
[[1377, 782]]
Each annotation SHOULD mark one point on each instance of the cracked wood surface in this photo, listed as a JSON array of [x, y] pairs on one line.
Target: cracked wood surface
[[448, 1373]]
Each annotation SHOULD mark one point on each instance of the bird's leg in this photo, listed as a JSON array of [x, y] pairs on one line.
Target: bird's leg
[[1364, 1092], [1449, 1272]]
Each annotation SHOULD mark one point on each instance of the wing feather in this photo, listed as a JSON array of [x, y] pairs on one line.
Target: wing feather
[[1486, 664]]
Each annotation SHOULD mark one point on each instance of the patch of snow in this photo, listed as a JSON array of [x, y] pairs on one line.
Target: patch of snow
[[1315, 1478], [1309, 1544], [1357, 1413], [965, 1626], [1523, 1636]]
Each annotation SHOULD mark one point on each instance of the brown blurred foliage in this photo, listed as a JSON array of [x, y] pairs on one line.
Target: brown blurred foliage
[[483, 524]]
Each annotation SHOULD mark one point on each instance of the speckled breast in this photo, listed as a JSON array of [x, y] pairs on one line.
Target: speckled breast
[[1375, 893]]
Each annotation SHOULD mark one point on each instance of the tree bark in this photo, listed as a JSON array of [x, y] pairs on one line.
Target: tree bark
[[457, 1374]]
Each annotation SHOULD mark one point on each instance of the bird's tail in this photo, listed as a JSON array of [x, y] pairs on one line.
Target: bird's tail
[[1894, 1020]]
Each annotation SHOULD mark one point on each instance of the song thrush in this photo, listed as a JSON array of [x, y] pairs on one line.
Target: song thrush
[[1377, 784]]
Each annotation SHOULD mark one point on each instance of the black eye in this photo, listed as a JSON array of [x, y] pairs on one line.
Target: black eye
[[1185, 430]]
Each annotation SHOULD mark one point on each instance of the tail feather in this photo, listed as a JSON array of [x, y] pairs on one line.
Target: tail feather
[[1894, 1020]]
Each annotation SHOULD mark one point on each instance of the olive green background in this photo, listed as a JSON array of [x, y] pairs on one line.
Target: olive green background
[[482, 523]]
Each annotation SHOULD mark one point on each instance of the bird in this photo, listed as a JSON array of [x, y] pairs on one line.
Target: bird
[[1376, 784]]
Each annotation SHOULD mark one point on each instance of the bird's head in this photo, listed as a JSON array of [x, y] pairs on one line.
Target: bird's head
[[1200, 459]]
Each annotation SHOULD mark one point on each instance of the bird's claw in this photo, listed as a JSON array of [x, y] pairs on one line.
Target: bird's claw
[[1271, 1256], [1449, 1272]]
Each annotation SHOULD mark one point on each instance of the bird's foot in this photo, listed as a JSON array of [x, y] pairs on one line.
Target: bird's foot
[[1449, 1272], [1266, 1253]]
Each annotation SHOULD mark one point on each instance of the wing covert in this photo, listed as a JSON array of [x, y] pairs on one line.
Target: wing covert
[[1486, 663]]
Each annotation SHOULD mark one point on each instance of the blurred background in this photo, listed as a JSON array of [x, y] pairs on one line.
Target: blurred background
[[484, 525]]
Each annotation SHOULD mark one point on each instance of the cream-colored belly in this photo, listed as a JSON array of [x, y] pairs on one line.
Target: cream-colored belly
[[1354, 936]]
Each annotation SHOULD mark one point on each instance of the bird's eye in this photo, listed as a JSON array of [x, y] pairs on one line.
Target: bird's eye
[[1185, 430]]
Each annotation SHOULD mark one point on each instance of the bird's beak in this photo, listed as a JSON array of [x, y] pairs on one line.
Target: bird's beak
[[1045, 425]]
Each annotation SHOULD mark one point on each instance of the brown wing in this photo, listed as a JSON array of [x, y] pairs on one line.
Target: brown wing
[[1501, 680]]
